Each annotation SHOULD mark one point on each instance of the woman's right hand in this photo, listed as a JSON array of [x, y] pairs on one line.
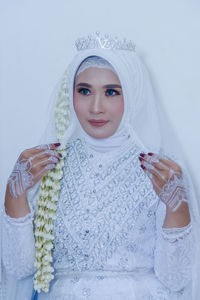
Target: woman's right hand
[[31, 166]]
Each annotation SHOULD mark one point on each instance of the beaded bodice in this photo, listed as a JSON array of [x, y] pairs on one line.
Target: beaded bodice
[[108, 228], [106, 212]]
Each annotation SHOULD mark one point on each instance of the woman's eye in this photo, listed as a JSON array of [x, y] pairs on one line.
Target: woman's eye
[[112, 92], [84, 91]]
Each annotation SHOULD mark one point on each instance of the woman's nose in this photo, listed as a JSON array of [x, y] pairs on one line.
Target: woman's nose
[[97, 105]]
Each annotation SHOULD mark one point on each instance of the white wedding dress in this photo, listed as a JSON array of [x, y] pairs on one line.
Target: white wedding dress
[[109, 241]]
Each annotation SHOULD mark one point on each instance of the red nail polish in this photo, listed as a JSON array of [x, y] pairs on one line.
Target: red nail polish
[[57, 144], [140, 158], [142, 154], [142, 167], [150, 153]]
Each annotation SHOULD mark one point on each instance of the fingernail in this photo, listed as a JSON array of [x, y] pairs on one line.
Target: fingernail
[[60, 154], [57, 144], [141, 159], [150, 153], [142, 167], [142, 154]]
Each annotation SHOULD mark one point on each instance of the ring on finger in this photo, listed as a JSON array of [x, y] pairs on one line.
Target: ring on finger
[[54, 159], [50, 166], [44, 146]]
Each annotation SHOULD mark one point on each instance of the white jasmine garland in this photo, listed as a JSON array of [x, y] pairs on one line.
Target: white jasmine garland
[[48, 198]]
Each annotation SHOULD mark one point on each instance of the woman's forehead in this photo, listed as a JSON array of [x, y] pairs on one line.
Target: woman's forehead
[[96, 74], [94, 61]]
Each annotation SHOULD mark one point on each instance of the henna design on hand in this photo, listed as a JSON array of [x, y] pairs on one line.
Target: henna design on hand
[[22, 177], [167, 179]]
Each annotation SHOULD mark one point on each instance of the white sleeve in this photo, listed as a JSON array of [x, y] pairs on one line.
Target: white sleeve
[[173, 253], [18, 243]]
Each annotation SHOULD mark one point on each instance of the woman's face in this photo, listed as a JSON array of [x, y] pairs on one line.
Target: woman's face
[[98, 101]]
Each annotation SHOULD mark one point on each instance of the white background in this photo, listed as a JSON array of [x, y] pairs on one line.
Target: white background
[[37, 42]]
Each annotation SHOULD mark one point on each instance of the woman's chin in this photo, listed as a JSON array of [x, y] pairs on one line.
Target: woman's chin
[[99, 134]]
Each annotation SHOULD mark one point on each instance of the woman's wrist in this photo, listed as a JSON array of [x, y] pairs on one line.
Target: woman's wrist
[[179, 218], [16, 207]]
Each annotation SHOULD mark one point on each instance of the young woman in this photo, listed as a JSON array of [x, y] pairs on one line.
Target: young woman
[[113, 218]]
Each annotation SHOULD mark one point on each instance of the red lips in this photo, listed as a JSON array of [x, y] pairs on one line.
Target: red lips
[[97, 123]]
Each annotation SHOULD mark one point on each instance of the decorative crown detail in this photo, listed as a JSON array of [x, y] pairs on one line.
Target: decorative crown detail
[[103, 42]]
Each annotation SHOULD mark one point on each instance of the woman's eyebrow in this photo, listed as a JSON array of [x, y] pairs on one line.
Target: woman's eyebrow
[[109, 86], [83, 84], [112, 86]]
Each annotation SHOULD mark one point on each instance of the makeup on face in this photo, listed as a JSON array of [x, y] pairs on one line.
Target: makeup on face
[[98, 101]]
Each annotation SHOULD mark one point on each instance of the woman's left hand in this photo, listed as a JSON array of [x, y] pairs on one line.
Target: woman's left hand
[[166, 177]]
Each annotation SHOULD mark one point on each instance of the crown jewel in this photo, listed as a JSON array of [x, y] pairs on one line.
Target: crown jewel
[[103, 42]]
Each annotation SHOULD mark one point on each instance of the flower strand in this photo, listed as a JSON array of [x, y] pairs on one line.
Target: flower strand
[[48, 198]]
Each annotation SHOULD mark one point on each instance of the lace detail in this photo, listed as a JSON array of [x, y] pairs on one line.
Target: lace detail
[[176, 234], [173, 256], [18, 246], [18, 251], [22, 220]]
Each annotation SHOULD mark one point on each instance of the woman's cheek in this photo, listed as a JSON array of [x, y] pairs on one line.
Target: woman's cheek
[[119, 108], [77, 105]]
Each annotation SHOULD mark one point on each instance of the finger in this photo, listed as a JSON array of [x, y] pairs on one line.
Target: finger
[[152, 159], [152, 162], [163, 162], [43, 163], [43, 171], [44, 154], [147, 164], [53, 152], [173, 165], [157, 161], [38, 149], [41, 159], [166, 171], [154, 180], [167, 162], [46, 147], [157, 185], [152, 170], [33, 157], [164, 174]]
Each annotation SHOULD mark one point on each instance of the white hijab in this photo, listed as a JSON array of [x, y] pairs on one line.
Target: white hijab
[[121, 135], [136, 102]]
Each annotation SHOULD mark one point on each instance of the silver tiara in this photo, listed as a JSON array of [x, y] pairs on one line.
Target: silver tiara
[[103, 42]]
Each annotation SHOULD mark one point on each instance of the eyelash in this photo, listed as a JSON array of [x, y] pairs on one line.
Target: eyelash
[[117, 93]]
